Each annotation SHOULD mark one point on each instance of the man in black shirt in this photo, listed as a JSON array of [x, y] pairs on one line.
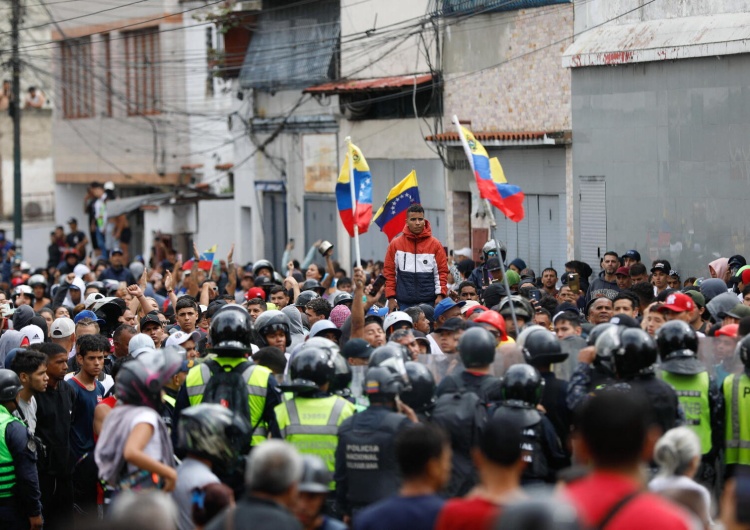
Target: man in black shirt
[[54, 418], [76, 239]]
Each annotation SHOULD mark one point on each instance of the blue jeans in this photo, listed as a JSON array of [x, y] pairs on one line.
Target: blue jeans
[[100, 240]]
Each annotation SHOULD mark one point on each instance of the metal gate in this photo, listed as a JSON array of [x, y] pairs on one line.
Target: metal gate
[[274, 226], [592, 219], [320, 221]]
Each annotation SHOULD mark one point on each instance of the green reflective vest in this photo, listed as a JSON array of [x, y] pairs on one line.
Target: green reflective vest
[[736, 389], [692, 391], [256, 377], [7, 467], [312, 424]]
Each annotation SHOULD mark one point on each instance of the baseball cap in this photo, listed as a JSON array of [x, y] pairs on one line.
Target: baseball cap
[[661, 265], [92, 299], [465, 252], [72, 220], [379, 312], [632, 254], [181, 337], [140, 343], [116, 250], [492, 264], [61, 328], [452, 324], [730, 330], [739, 311], [679, 303], [623, 271], [737, 261], [87, 314], [357, 349], [697, 297], [150, 317], [255, 292], [445, 305], [468, 305], [33, 333], [478, 308]]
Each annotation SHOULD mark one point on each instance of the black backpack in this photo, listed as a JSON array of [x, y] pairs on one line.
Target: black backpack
[[228, 389], [463, 414]]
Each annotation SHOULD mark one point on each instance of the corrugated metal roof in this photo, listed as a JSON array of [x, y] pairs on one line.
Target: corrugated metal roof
[[661, 40], [462, 7], [293, 47], [361, 85]]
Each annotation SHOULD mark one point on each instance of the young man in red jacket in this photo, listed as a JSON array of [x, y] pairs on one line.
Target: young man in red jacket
[[416, 268]]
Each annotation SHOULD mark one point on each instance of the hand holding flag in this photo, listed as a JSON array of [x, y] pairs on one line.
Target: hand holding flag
[[391, 217], [354, 192]]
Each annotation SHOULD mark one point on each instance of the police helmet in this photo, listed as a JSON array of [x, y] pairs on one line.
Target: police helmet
[[270, 321], [10, 385], [304, 297], [214, 432], [231, 331], [604, 359], [421, 396], [596, 331], [262, 264], [632, 350], [541, 347], [140, 381], [677, 344], [316, 477], [382, 383], [477, 347], [522, 386], [342, 298], [394, 318], [743, 350], [311, 368], [491, 248], [392, 356], [342, 376], [522, 306]]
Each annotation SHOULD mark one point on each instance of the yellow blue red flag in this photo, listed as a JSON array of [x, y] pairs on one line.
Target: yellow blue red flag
[[206, 261], [361, 211], [391, 217]]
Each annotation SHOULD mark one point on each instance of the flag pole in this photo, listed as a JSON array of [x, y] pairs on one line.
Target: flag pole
[[357, 257], [493, 223]]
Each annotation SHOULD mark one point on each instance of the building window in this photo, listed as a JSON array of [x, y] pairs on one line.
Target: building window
[[107, 63], [143, 79], [237, 32], [77, 78]]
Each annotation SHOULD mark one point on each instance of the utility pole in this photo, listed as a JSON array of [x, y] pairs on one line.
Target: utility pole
[[15, 109]]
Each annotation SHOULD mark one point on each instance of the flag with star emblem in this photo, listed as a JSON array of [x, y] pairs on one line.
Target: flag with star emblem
[[361, 211], [491, 179], [391, 217]]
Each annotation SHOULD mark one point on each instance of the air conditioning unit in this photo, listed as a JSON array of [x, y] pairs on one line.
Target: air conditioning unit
[[247, 5]]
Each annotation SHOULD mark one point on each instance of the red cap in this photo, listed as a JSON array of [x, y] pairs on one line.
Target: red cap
[[624, 271], [679, 303], [730, 330], [494, 319], [472, 309], [255, 292], [745, 277]]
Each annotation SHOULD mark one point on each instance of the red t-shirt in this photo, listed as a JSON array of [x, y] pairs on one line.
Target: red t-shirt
[[595, 495], [467, 514]]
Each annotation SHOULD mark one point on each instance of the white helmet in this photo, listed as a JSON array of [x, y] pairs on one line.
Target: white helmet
[[396, 317], [37, 279]]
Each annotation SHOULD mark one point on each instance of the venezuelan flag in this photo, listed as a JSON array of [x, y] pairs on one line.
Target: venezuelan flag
[[391, 217], [206, 261], [361, 211], [491, 179]]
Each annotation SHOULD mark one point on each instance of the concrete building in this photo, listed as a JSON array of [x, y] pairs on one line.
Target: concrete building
[[660, 96]]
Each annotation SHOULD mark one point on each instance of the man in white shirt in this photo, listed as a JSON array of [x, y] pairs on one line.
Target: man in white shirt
[[31, 367]]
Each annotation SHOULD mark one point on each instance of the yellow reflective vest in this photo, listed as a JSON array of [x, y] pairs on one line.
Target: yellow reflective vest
[[736, 389], [692, 392]]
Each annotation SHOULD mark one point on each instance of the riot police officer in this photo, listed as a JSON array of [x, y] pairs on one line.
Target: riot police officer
[[477, 351], [697, 392], [311, 419], [541, 349], [230, 338], [366, 469], [421, 396], [522, 390], [591, 372], [736, 389], [20, 505]]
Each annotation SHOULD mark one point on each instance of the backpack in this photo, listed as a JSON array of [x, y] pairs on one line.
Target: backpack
[[228, 389], [463, 415]]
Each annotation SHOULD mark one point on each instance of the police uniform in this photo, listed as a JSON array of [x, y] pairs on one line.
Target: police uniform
[[262, 389], [736, 389], [19, 483], [311, 424], [366, 469]]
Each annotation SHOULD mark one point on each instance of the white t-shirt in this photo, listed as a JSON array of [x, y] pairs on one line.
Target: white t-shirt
[[190, 475], [28, 408], [153, 447], [434, 346]]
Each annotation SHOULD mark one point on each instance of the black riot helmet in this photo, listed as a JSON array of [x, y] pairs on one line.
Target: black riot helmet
[[677, 343], [382, 384], [10, 385], [596, 331], [311, 368], [316, 477], [231, 331], [421, 396], [270, 321], [262, 264], [304, 297], [633, 350], [392, 356], [212, 431], [342, 376], [541, 348], [605, 357], [477, 347], [742, 350], [522, 386]]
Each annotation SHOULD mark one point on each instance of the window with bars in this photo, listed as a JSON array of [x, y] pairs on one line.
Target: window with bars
[[143, 79], [77, 78]]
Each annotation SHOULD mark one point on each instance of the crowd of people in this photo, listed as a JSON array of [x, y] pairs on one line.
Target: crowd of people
[[425, 391]]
